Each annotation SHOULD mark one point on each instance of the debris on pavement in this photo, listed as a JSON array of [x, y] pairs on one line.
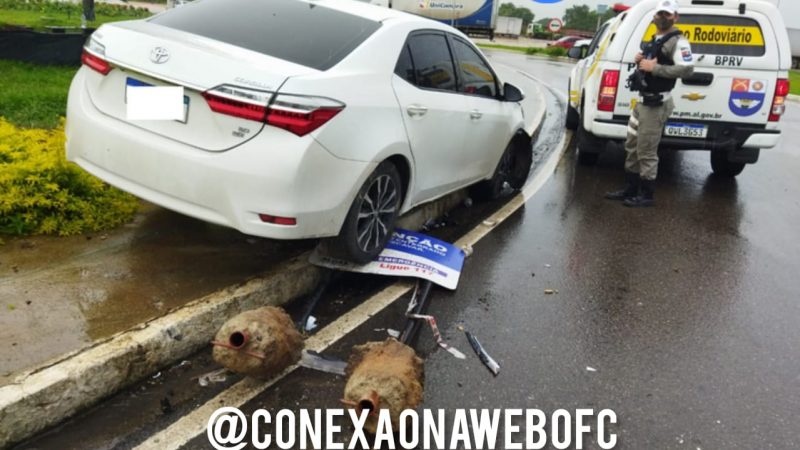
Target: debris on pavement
[[551, 291], [311, 323], [482, 355], [313, 360], [383, 375], [437, 336], [591, 369], [259, 343], [393, 333], [215, 376]]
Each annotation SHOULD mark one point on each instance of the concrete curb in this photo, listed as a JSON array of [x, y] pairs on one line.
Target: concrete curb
[[43, 396], [794, 98]]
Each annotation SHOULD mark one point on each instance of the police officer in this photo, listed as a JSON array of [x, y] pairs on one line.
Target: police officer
[[663, 60]]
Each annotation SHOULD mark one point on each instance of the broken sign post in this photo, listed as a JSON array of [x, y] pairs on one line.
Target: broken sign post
[[408, 254]]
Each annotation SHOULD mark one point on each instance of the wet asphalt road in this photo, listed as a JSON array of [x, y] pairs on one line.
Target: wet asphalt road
[[688, 313], [683, 319]]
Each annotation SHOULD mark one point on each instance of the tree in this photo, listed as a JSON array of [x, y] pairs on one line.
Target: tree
[[580, 18], [510, 10]]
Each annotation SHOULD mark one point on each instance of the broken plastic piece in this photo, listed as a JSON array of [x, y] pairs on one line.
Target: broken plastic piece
[[216, 376], [591, 369], [484, 357], [313, 360], [311, 323]]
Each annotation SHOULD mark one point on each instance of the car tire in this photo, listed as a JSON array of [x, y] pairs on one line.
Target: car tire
[[366, 229], [513, 168], [723, 167]]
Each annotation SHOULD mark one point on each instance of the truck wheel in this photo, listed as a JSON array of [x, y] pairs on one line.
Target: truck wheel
[[573, 118], [721, 166], [589, 145]]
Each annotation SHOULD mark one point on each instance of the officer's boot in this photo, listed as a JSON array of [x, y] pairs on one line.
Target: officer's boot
[[631, 188], [645, 198]]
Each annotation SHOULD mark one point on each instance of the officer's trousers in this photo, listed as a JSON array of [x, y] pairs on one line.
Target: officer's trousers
[[645, 128]]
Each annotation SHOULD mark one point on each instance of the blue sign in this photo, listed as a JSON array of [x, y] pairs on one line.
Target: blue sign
[[408, 254]]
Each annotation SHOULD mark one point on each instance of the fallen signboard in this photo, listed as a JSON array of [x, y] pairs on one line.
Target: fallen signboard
[[408, 254]]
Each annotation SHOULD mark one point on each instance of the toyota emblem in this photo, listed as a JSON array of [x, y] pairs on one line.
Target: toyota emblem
[[159, 55]]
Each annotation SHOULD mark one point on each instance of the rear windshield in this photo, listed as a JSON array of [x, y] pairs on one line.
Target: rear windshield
[[296, 31], [719, 35]]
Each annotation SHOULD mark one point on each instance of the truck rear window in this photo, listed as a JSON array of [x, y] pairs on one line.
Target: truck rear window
[[295, 31], [719, 35]]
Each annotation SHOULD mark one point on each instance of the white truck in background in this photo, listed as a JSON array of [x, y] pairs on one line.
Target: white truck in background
[[790, 11], [469, 16], [508, 26]]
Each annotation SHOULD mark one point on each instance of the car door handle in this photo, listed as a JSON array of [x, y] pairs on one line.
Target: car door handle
[[416, 110], [475, 114]]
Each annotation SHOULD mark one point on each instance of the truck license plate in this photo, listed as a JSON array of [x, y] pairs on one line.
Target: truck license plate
[[687, 130]]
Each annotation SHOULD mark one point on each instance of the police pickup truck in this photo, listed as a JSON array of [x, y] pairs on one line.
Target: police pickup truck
[[732, 104]]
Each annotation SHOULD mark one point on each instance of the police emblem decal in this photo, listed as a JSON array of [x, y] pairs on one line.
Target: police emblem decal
[[747, 96]]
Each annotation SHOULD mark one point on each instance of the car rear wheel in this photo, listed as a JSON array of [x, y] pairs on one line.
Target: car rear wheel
[[513, 168], [372, 216], [723, 167]]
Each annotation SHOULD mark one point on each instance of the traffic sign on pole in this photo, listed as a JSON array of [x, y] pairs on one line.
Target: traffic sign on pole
[[555, 25]]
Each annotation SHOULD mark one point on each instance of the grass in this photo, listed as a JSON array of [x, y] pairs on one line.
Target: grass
[[503, 47], [34, 96], [43, 14], [545, 51], [794, 82]]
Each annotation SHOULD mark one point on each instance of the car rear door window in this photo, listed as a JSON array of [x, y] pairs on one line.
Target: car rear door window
[[433, 64], [300, 32], [405, 66], [475, 74], [719, 35]]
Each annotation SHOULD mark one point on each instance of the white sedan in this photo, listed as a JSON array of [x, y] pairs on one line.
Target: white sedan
[[300, 119]]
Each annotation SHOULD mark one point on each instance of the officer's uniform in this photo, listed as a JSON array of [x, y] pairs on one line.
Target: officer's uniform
[[646, 124], [674, 60]]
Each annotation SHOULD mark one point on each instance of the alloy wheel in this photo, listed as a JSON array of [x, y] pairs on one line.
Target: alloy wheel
[[376, 214]]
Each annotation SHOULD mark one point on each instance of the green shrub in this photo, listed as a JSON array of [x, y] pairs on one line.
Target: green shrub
[[555, 51], [42, 193]]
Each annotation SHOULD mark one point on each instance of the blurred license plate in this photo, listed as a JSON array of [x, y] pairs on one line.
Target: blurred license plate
[[137, 83], [688, 130]]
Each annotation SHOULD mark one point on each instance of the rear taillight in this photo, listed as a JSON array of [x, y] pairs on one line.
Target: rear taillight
[[301, 115], [93, 56], [95, 63], [295, 113], [779, 102], [608, 91], [239, 102]]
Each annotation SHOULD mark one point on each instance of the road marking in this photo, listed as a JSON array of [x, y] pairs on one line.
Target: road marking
[[194, 424]]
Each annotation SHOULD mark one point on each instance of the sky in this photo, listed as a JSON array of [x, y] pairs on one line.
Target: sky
[[542, 10]]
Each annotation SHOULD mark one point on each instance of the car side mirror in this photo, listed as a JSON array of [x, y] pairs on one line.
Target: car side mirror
[[576, 52], [512, 93]]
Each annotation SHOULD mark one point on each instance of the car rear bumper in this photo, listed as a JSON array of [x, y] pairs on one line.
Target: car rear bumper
[[721, 135], [275, 173]]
